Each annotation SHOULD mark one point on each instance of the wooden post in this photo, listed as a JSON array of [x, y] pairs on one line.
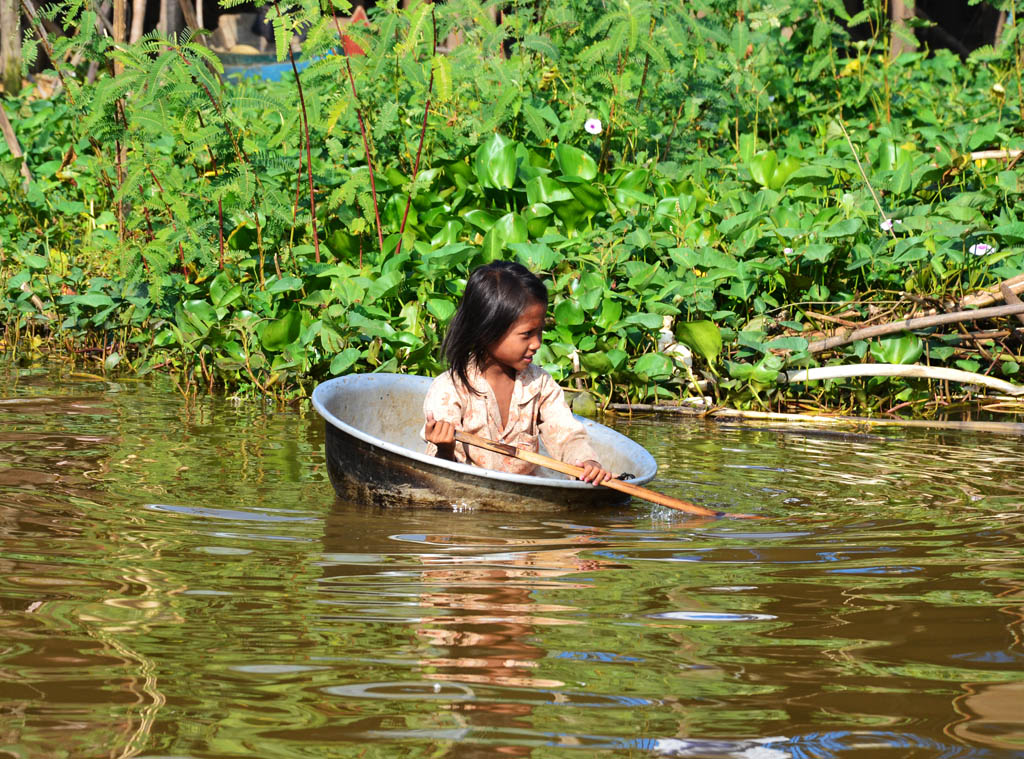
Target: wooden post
[[120, 24], [138, 20], [10, 46], [901, 37], [170, 16]]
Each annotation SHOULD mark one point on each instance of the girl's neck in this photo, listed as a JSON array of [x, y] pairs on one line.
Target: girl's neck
[[493, 371]]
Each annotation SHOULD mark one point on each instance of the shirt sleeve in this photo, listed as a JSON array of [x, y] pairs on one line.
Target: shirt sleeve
[[562, 433], [444, 403]]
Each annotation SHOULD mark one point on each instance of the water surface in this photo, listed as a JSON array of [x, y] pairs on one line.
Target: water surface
[[178, 580]]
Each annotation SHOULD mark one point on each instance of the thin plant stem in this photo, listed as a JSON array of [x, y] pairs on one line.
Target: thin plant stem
[[369, 159], [864, 174], [423, 134], [309, 156]]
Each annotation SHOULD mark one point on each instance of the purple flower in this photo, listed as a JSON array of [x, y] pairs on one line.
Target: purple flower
[[981, 249], [787, 251], [887, 224], [593, 126]]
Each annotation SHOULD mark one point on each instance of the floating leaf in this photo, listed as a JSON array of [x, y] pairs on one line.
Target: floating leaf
[[905, 349]]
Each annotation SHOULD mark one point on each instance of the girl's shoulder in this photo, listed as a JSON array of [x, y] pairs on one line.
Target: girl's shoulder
[[536, 378]]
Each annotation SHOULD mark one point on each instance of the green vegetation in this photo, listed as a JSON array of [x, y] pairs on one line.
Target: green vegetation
[[756, 178]]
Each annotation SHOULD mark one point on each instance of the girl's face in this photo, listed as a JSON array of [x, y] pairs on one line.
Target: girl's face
[[514, 351]]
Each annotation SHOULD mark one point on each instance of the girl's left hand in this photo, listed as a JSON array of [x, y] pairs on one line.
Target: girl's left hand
[[594, 473]]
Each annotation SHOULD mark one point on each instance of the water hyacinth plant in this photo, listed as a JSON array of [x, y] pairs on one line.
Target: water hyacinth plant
[[261, 236]]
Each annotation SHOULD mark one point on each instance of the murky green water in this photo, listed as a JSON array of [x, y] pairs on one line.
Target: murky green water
[[180, 581]]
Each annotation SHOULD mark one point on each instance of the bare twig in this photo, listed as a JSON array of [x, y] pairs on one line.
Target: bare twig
[[920, 322]]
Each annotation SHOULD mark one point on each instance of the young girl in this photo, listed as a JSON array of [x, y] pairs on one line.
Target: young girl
[[492, 388]]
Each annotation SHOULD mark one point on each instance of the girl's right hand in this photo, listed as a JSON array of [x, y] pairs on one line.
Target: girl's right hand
[[441, 434]]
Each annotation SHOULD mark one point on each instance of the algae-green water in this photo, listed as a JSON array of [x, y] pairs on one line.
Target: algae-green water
[[178, 580]]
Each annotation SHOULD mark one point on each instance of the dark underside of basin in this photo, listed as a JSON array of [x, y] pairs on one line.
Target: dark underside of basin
[[364, 473]]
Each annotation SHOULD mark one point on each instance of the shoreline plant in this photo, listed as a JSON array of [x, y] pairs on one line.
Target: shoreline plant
[[707, 193]]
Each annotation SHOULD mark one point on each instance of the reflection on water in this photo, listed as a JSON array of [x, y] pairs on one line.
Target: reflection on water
[[180, 581]]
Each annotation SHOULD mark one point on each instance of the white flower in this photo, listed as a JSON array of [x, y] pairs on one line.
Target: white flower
[[787, 251], [771, 98], [593, 126], [980, 249], [887, 224]]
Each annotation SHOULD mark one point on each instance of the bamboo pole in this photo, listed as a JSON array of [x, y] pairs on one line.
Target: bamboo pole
[[817, 420], [903, 370]]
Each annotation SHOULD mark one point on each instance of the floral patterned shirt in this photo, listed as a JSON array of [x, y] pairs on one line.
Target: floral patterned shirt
[[537, 411]]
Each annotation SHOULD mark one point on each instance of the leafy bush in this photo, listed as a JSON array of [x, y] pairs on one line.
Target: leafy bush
[[733, 200]]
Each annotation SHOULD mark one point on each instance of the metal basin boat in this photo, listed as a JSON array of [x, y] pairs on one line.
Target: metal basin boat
[[376, 456]]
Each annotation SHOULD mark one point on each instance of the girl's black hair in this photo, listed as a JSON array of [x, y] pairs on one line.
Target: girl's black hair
[[495, 296]]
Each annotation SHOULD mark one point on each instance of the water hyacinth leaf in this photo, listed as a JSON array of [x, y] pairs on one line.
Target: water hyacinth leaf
[[788, 343], [219, 287], [618, 357], [783, 171], [844, 228], [904, 349], [817, 252], [36, 262], [480, 219], [284, 285], [200, 312], [538, 218], [536, 256], [573, 162], [590, 290], [644, 319], [441, 309], [611, 312], [703, 337], [93, 300], [495, 162], [510, 228], [344, 360], [384, 286], [544, 189], [653, 366], [762, 166], [369, 326], [444, 259], [280, 333], [569, 312], [738, 370], [590, 196], [448, 234], [571, 214], [596, 363], [766, 371]]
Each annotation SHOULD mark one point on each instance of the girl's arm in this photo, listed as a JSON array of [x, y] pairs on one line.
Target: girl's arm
[[442, 410], [442, 435]]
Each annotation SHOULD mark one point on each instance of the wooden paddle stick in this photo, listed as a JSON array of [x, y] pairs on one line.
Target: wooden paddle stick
[[575, 471]]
